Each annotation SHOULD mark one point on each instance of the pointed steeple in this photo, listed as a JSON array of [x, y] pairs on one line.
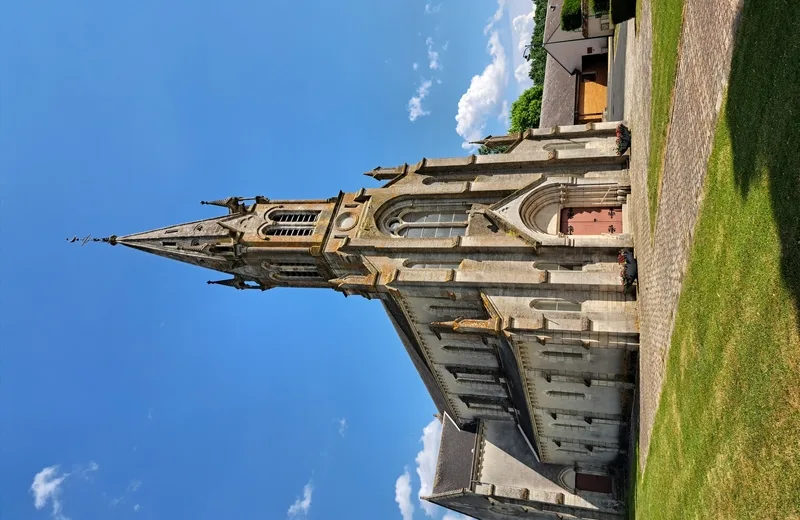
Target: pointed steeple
[[205, 243], [263, 244]]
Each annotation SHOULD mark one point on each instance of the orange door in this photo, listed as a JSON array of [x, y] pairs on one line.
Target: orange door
[[591, 221]]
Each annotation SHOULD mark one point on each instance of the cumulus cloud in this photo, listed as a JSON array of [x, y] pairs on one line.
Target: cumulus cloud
[[521, 31], [46, 487], [426, 463], [134, 485], [402, 495], [433, 56], [415, 109], [415, 65], [342, 426], [501, 5], [302, 505], [483, 97], [431, 8], [137, 507], [505, 114]]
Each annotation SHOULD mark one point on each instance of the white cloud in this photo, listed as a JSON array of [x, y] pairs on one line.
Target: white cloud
[[134, 485], [302, 505], [402, 495], [84, 471], [342, 426], [46, 487], [116, 501], [415, 109], [415, 65], [426, 463], [483, 96], [521, 75], [505, 114], [521, 31], [501, 5], [433, 56], [137, 507], [430, 8]]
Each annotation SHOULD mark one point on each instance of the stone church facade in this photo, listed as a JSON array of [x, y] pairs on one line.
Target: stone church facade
[[500, 275]]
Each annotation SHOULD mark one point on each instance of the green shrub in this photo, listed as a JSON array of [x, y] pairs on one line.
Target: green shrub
[[622, 10], [598, 6], [571, 18], [526, 110]]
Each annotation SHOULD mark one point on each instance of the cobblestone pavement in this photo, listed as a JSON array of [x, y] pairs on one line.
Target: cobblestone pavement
[[703, 67]]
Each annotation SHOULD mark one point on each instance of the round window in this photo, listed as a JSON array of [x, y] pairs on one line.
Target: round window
[[346, 221]]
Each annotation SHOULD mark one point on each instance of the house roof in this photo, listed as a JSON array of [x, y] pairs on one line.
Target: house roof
[[454, 464], [552, 21], [558, 95]]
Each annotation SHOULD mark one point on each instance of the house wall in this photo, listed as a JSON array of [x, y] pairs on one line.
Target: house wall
[[569, 52]]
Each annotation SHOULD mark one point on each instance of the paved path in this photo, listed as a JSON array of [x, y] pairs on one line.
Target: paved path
[[616, 94], [703, 67]]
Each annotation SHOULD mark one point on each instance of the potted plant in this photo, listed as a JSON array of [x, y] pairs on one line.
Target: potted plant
[[623, 139]]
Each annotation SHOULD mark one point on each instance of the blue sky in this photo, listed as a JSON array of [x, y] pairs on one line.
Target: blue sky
[[130, 388]]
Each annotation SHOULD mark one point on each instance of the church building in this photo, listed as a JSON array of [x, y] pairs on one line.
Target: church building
[[500, 274]]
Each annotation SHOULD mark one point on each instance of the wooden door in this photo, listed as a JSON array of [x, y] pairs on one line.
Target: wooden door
[[592, 88], [593, 483], [591, 221]]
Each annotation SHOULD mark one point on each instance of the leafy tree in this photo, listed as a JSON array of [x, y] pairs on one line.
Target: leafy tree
[[526, 110]]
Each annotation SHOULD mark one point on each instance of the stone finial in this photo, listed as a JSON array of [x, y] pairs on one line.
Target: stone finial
[[237, 282]]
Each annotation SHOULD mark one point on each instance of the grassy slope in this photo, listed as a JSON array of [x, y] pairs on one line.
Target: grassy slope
[[726, 442], [666, 17]]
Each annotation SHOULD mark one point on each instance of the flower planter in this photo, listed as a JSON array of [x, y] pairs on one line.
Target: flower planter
[[623, 142]]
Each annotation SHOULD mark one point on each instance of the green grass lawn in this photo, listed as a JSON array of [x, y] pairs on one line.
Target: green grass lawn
[[666, 16], [726, 442]]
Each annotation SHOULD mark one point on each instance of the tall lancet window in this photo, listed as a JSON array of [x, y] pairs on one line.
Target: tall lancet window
[[427, 220], [284, 223]]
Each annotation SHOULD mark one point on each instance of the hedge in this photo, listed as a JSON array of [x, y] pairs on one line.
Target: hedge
[[622, 10], [598, 6], [571, 18], [538, 56]]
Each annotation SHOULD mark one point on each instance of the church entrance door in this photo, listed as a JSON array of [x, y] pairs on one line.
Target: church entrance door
[[591, 221], [593, 483]]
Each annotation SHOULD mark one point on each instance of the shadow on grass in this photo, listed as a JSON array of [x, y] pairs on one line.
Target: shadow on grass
[[764, 115]]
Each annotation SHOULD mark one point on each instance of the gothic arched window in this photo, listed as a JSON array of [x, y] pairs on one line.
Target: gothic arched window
[[437, 219]]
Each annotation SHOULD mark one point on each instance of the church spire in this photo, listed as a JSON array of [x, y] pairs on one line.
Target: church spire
[[263, 244]]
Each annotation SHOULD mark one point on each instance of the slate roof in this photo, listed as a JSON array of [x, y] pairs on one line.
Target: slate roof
[[558, 96], [454, 465]]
